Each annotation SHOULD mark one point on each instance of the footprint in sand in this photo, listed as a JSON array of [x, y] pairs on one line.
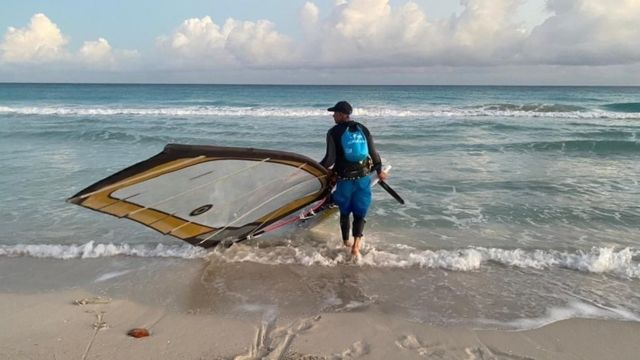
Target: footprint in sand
[[273, 343], [439, 351], [486, 353], [432, 351], [356, 350]]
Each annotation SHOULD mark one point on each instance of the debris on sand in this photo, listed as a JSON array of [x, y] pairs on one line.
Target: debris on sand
[[138, 332], [92, 301]]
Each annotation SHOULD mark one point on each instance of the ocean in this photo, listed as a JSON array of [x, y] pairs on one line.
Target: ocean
[[522, 203]]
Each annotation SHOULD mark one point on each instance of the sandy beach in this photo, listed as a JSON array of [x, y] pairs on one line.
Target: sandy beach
[[80, 325]]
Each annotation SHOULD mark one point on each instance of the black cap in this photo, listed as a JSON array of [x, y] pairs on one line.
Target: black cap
[[341, 106]]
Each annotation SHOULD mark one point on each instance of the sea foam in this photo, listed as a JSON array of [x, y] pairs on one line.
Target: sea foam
[[599, 260], [618, 262], [95, 250], [302, 112], [573, 309]]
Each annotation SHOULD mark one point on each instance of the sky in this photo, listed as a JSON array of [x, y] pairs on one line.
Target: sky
[[490, 42]]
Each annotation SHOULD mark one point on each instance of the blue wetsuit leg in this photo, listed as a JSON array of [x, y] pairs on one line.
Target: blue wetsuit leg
[[361, 196], [342, 196], [353, 196]]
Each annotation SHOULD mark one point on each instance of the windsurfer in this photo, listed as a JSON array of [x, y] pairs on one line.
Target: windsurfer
[[351, 156]]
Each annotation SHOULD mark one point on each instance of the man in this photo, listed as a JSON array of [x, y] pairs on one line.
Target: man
[[352, 153]]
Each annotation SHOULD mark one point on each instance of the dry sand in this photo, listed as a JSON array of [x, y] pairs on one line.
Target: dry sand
[[50, 326]]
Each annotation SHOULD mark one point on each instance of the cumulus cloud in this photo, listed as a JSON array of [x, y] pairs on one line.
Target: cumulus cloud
[[96, 51], [372, 33], [485, 28], [309, 16], [236, 42], [42, 41], [586, 32], [368, 35], [258, 43], [196, 38]]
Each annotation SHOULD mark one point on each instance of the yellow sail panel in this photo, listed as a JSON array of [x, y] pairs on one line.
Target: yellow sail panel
[[166, 224]]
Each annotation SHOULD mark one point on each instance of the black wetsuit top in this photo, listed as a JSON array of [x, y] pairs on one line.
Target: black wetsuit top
[[335, 154]]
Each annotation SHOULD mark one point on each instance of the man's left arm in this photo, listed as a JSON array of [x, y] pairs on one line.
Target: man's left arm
[[373, 153]]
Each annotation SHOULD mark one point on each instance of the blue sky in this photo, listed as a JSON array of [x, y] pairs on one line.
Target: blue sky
[[300, 41]]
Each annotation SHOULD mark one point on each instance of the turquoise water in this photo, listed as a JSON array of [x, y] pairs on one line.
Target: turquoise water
[[526, 188]]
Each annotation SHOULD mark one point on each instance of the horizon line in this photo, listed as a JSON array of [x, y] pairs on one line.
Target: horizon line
[[292, 84]]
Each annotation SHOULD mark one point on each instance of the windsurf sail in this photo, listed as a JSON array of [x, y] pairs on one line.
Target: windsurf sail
[[208, 194]]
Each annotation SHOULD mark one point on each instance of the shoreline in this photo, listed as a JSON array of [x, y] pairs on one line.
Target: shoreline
[[50, 326]]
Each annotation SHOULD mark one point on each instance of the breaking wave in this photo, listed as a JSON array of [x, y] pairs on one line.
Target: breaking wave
[[623, 107], [92, 250], [536, 108], [612, 111], [597, 260], [595, 146]]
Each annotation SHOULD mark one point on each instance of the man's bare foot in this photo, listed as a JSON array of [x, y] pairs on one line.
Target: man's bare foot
[[348, 242], [355, 249]]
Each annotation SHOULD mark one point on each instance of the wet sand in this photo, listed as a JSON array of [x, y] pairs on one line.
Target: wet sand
[[52, 326]]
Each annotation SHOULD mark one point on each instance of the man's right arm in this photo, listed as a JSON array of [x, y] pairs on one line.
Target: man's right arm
[[330, 154]]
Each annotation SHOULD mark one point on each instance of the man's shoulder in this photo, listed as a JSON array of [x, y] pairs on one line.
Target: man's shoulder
[[339, 128], [336, 127], [363, 127], [357, 123]]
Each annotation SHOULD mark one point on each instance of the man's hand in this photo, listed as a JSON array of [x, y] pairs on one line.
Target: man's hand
[[383, 176], [333, 178]]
